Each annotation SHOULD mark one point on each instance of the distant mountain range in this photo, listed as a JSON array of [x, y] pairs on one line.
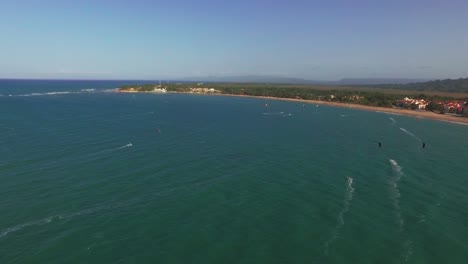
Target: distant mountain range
[[250, 79], [377, 81], [289, 80], [447, 85]]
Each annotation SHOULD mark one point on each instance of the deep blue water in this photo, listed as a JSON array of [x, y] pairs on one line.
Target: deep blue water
[[93, 176]]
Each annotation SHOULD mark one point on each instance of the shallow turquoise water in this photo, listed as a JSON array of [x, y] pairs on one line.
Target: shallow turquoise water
[[100, 177]]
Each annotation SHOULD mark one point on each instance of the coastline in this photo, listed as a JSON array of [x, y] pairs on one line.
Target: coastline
[[397, 111], [406, 112]]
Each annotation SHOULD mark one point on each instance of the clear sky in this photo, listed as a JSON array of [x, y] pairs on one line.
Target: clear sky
[[322, 40]]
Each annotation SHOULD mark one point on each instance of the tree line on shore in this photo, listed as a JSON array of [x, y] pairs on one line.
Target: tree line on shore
[[333, 94]]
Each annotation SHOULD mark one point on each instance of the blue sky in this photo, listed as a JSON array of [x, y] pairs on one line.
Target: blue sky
[[322, 40]]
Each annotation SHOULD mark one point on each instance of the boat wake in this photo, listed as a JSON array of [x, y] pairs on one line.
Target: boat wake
[[410, 134], [276, 113], [84, 158], [282, 114], [346, 203], [52, 219], [407, 251], [395, 195], [129, 145], [125, 146]]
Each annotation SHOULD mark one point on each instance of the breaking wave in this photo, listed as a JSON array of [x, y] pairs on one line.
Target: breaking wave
[[49, 93], [54, 93]]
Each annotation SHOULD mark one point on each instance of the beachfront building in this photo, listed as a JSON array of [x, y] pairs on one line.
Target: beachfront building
[[159, 90], [415, 104], [203, 90], [455, 107]]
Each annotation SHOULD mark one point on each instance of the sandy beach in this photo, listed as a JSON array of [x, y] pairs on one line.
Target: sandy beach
[[407, 112]]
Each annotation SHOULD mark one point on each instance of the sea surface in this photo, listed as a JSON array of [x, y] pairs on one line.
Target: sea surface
[[88, 175]]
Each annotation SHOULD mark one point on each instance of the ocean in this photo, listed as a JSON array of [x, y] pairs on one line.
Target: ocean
[[88, 175]]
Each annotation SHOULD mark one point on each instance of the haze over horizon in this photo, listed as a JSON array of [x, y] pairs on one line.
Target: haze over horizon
[[315, 40]]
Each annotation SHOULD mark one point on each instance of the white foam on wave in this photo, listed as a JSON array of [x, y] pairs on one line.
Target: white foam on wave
[[410, 134], [398, 173], [393, 120], [42, 94], [346, 204], [396, 167], [53, 93]]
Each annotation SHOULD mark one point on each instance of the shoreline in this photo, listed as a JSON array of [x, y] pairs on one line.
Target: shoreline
[[397, 111], [406, 112]]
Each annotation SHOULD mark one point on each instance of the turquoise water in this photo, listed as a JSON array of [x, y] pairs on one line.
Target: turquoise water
[[92, 176]]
